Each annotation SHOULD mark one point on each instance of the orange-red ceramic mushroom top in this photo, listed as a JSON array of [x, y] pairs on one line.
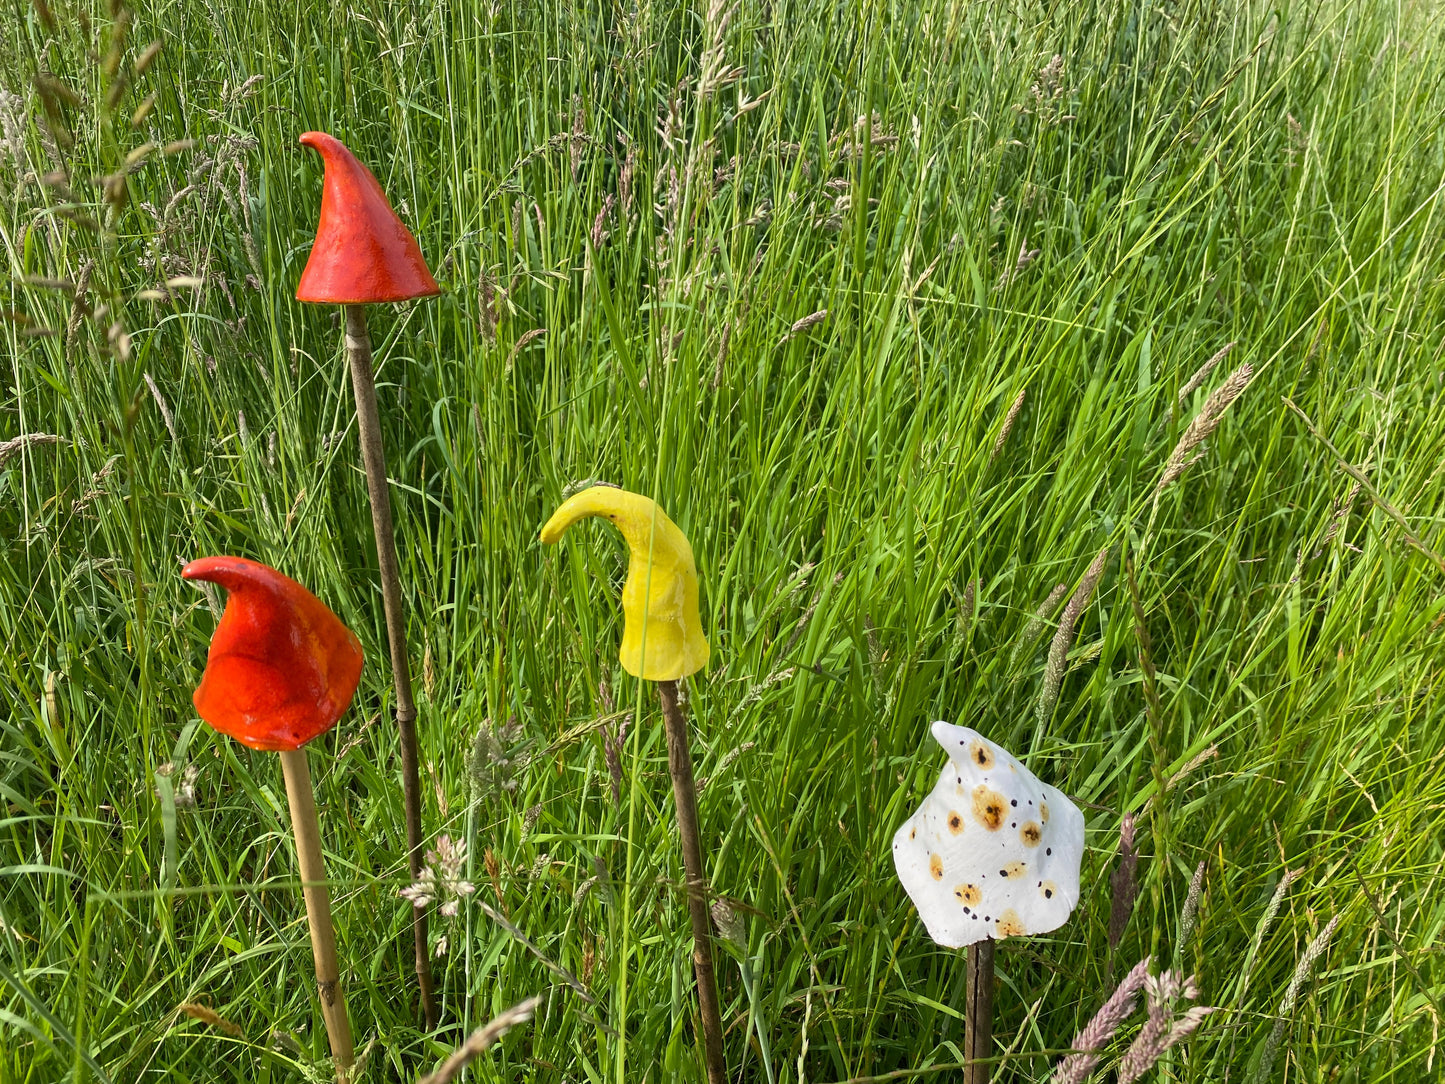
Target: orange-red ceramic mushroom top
[[282, 667], [363, 253]]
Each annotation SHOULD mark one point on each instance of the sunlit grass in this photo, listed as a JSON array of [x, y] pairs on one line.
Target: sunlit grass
[[870, 557]]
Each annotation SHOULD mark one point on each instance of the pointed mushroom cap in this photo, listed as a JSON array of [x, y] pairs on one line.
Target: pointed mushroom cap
[[363, 253], [282, 667], [992, 851], [659, 598]]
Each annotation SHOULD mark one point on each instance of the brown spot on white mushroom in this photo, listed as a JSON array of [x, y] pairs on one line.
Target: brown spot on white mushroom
[[1031, 833], [912, 832], [955, 822], [980, 754], [1044, 812], [1013, 869], [968, 894], [988, 807], [1047, 889], [935, 867], [1010, 925]]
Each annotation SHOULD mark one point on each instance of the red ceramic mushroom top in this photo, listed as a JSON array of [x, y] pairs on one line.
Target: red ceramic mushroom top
[[282, 667], [362, 253]]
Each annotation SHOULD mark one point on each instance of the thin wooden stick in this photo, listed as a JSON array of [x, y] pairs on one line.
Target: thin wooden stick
[[684, 793], [978, 1014], [318, 910], [373, 457]]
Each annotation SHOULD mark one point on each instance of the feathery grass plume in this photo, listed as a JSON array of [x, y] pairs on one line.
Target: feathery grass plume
[[1267, 920], [732, 754], [804, 324], [1298, 142], [486, 307], [612, 744], [494, 876], [520, 345], [1302, 972], [498, 755], [600, 232], [1124, 883], [441, 879], [722, 355], [967, 608], [166, 415], [481, 1039], [1207, 753], [1008, 424], [1036, 622], [1342, 513], [1087, 1044], [1185, 453], [579, 137], [716, 72], [802, 624], [27, 440], [1064, 636], [1202, 374], [1025, 257], [1190, 916], [1165, 1026]]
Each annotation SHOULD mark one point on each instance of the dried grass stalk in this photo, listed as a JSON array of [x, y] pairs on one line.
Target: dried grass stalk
[[1064, 637], [27, 440], [1165, 1025], [521, 344], [1036, 623], [1124, 883], [1077, 1067], [1008, 424], [169, 418], [1302, 972], [1186, 452], [804, 324], [210, 1017], [1202, 374], [481, 1039], [1190, 916]]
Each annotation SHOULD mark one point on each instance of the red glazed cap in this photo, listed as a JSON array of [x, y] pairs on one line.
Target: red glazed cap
[[362, 253], [282, 667]]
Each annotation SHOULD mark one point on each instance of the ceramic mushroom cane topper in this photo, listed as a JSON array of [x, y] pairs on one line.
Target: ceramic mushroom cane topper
[[991, 853], [281, 670], [662, 641], [363, 256]]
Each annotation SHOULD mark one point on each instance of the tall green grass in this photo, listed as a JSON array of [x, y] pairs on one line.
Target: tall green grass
[[1191, 174]]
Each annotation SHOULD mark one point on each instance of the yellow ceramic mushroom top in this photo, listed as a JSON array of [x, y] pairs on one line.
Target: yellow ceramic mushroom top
[[659, 599]]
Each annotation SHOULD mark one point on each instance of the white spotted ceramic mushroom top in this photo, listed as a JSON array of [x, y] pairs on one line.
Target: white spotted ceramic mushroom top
[[991, 852]]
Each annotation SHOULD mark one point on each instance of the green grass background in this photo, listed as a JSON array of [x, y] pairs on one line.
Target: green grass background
[[1208, 172]]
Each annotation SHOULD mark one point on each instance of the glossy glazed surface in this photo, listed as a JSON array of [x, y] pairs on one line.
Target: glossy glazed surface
[[992, 851], [363, 253], [662, 638], [282, 667]]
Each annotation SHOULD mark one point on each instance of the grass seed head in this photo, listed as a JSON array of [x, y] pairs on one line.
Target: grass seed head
[[1187, 452], [1064, 637]]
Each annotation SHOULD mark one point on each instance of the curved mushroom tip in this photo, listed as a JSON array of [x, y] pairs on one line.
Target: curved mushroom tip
[[282, 668], [662, 637], [363, 252], [605, 501]]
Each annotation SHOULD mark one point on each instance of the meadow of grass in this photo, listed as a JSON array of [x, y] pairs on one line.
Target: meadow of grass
[[790, 272]]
